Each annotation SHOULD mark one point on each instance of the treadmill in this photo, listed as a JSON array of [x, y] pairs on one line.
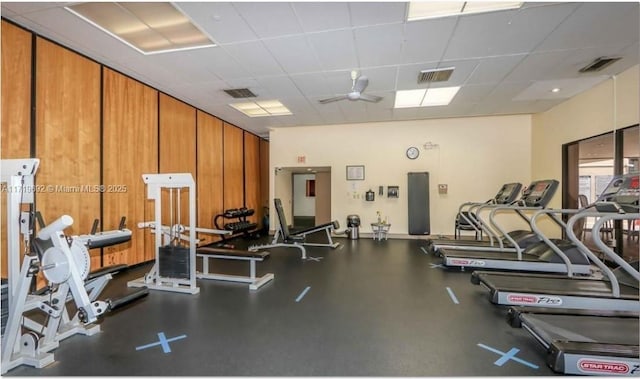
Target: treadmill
[[592, 342], [583, 342], [558, 257], [618, 290], [468, 213], [536, 196]]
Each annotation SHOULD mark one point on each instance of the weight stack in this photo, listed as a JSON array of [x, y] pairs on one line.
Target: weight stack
[[174, 262], [5, 304]]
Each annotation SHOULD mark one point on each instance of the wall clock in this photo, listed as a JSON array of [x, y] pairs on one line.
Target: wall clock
[[413, 152]]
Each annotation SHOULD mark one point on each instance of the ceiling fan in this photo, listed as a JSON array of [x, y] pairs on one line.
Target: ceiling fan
[[358, 86]]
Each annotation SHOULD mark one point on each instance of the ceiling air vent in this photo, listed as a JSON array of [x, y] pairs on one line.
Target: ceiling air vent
[[240, 93], [436, 75], [599, 64]]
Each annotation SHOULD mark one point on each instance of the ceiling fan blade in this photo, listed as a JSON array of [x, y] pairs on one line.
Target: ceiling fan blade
[[361, 83], [370, 98], [332, 99]]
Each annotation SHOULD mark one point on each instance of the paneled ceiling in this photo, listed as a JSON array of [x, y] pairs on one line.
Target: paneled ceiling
[[506, 62]]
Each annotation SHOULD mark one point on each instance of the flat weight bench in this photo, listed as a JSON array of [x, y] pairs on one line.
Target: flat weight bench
[[255, 283]]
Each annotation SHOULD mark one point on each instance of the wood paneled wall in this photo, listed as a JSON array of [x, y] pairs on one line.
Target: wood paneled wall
[[96, 127], [233, 167], [15, 138], [264, 174], [252, 176], [130, 137], [210, 169], [68, 137], [177, 149]]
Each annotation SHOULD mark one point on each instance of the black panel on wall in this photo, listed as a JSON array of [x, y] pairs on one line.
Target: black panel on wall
[[418, 200]]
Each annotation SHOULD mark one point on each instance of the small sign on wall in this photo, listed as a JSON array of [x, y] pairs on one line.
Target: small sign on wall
[[302, 159]]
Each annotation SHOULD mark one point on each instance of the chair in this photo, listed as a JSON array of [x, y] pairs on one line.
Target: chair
[[464, 222]]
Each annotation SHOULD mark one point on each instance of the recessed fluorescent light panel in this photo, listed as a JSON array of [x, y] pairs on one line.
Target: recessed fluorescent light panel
[[430, 97], [262, 108], [150, 28], [420, 10]]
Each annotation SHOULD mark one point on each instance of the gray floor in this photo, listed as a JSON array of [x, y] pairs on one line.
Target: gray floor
[[373, 308]]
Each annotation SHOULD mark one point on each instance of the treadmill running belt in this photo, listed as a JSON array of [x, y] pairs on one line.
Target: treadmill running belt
[[555, 286], [602, 330]]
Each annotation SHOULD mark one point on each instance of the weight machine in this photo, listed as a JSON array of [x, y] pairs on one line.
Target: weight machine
[[175, 265], [65, 263]]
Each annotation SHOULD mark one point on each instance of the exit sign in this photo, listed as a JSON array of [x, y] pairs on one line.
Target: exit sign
[[302, 159]]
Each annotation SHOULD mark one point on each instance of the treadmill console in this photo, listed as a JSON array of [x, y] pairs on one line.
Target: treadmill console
[[508, 193], [539, 193], [622, 194]]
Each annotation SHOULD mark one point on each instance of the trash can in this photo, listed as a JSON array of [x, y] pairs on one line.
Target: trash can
[[353, 225]]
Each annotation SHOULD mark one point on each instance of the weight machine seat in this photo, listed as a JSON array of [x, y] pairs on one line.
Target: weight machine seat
[[232, 253]]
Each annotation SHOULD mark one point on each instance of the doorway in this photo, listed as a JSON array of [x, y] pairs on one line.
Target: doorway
[[305, 193]]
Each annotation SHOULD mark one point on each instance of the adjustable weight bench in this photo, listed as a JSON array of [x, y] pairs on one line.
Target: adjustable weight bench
[[327, 227], [288, 240], [255, 283]]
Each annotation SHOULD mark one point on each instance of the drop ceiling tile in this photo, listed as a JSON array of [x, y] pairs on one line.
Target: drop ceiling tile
[[221, 63], [374, 13], [335, 50], [527, 107], [270, 19], [321, 16], [541, 90], [472, 94], [379, 45], [333, 118], [380, 79], [5, 11], [339, 82], [312, 84], [555, 64], [220, 20], [596, 24], [255, 58], [426, 40], [22, 8], [493, 70], [294, 54], [505, 32], [279, 86]]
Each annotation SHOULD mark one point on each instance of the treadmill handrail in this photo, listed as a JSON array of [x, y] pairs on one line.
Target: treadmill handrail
[[615, 286], [490, 232], [515, 208], [595, 232], [547, 241]]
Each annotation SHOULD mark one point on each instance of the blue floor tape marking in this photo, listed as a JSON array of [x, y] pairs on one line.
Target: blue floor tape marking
[[315, 259], [302, 294], [510, 355], [436, 265], [163, 341], [425, 251], [452, 296]]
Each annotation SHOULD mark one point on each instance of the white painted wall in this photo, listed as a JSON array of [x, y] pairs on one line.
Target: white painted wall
[[608, 106], [474, 156], [302, 205], [596, 111]]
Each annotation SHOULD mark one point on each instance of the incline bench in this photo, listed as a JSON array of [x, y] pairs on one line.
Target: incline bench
[[207, 253], [297, 239], [282, 220]]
